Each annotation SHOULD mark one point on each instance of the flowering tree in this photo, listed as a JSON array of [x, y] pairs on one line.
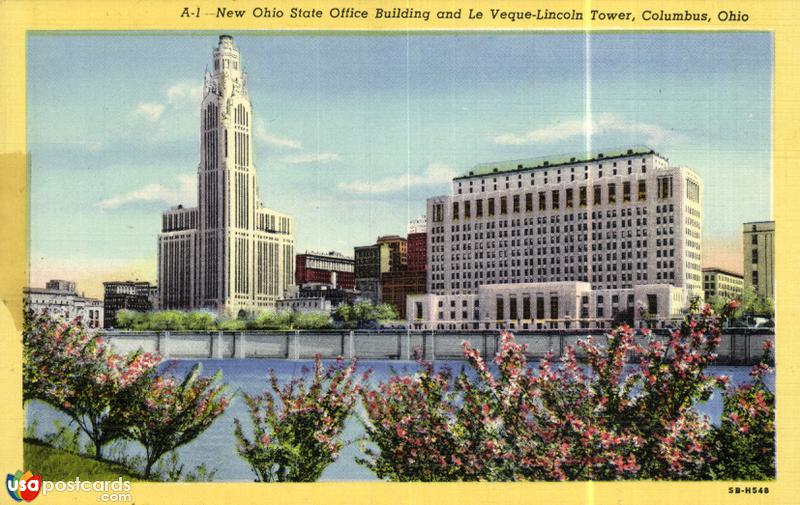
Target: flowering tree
[[297, 427], [164, 413], [743, 447], [629, 413], [411, 423], [75, 371]]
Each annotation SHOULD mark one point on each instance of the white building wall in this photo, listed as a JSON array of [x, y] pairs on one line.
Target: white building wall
[[615, 222], [236, 255]]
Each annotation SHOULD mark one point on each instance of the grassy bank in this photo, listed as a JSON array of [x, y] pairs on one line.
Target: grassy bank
[[56, 464]]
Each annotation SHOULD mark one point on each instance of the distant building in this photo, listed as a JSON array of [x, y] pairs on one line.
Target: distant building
[[398, 251], [304, 305], [370, 262], [758, 248], [126, 295], [719, 282], [418, 225], [315, 297], [397, 285], [333, 269], [59, 285], [61, 301], [417, 257], [388, 255]]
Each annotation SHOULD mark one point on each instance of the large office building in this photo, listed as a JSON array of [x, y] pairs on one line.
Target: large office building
[[575, 241], [228, 254], [332, 268], [61, 300], [126, 295], [722, 283], [758, 248]]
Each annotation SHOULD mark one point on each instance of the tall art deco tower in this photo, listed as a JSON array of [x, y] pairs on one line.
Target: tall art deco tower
[[229, 253]]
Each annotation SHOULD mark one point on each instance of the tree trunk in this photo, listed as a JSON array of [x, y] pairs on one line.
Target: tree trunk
[[98, 449]]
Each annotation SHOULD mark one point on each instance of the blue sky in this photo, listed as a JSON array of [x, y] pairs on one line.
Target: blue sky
[[354, 132]]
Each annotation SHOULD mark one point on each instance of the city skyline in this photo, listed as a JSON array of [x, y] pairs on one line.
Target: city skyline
[[358, 139]]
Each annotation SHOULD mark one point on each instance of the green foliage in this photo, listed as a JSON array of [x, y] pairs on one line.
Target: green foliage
[[743, 446], [166, 413], [297, 427], [751, 304], [609, 419], [175, 320], [75, 371], [364, 313], [109, 396], [64, 438], [165, 320], [61, 465], [232, 325]]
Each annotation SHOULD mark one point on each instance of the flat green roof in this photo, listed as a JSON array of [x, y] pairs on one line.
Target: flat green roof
[[483, 169]]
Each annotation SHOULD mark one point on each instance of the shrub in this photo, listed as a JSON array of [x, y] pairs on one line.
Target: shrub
[[296, 439], [76, 372], [166, 413], [566, 422], [743, 446]]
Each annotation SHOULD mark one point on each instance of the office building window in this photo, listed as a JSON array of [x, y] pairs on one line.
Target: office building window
[[555, 202], [664, 187], [642, 190], [612, 193]]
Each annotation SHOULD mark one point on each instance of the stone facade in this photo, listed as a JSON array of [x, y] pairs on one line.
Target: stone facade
[[622, 222], [230, 254], [758, 248]]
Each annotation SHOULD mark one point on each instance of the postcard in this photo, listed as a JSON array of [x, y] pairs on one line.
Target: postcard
[[370, 252]]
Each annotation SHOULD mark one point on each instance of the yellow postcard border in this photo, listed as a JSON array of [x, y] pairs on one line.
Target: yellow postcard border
[[780, 17]]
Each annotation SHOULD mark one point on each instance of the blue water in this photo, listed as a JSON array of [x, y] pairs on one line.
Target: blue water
[[216, 447]]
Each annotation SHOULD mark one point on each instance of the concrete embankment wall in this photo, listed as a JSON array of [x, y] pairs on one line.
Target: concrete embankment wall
[[738, 346]]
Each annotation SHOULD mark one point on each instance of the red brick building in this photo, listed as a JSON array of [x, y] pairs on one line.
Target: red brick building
[[410, 279], [417, 252], [334, 269]]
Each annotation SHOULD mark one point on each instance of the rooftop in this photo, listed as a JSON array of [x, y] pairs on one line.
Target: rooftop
[[723, 271], [557, 160]]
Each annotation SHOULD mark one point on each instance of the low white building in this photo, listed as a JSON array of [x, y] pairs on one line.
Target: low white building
[[304, 305], [546, 305], [61, 301]]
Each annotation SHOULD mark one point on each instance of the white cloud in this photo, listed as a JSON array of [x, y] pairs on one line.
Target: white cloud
[[185, 92], [177, 95], [435, 174], [263, 135], [150, 111], [311, 158], [603, 125], [185, 193]]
